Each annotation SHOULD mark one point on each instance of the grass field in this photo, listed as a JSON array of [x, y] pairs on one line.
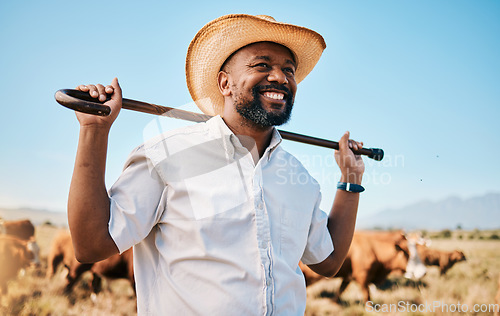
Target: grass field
[[466, 283], [471, 282], [33, 294]]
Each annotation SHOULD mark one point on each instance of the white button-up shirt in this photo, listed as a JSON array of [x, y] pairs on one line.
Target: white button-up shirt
[[213, 233]]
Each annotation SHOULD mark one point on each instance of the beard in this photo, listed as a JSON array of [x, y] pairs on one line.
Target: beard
[[254, 111]]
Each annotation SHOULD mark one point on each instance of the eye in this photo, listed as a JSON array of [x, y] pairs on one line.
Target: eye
[[289, 70], [261, 65]]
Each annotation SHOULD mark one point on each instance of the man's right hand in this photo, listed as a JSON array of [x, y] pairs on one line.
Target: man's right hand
[[100, 92]]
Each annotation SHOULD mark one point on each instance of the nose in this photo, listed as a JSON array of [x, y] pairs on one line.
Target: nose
[[277, 75]]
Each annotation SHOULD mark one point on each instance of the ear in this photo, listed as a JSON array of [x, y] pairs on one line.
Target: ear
[[223, 83]]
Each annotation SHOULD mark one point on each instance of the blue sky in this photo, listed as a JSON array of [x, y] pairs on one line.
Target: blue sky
[[420, 79]]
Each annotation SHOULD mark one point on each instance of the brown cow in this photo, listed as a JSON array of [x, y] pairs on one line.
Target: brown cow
[[371, 258], [62, 252], [115, 267], [15, 254], [22, 229], [443, 259]]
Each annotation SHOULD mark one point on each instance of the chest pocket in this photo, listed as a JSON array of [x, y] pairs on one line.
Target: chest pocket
[[294, 230]]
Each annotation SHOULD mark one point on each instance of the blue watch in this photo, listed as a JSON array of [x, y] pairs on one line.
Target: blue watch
[[350, 187]]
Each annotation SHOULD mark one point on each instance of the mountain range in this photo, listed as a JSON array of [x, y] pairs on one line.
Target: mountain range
[[36, 216], [480, 212]]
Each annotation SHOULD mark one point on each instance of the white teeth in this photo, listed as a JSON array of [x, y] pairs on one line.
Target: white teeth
[[273, 95]]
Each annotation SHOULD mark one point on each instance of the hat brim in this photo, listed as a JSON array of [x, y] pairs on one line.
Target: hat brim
[[218, 39]]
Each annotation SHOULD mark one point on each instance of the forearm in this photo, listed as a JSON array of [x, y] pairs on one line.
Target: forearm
[[88, 202], [341, 224], [342, 218]]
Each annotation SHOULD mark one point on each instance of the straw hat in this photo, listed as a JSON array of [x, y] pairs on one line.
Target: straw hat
[[218, 39]]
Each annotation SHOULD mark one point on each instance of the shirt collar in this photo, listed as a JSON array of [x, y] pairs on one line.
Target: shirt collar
[[218, 128], [275, 141]]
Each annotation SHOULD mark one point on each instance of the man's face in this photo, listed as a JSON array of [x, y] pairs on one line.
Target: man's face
[[262, 83]]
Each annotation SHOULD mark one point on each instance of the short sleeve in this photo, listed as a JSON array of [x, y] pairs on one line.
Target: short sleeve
[[136, 201], [319, 242]]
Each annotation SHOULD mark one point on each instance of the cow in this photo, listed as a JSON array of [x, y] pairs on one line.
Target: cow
[[22, 229], [443, 259], [62, 252], [115, 267], [415, 269], [371, 258], [15, 255]]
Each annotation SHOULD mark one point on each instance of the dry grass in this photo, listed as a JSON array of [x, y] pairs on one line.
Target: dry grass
[[33, 294], [471, 282]]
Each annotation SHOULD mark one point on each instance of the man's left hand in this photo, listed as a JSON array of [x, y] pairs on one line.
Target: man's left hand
[[351, 166]]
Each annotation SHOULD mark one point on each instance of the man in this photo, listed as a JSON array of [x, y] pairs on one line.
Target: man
[[217, 224]]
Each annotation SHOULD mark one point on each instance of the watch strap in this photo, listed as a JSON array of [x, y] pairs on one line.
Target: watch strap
[[350, 187]]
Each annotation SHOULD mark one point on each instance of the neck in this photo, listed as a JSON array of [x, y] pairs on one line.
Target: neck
[[254, 138]]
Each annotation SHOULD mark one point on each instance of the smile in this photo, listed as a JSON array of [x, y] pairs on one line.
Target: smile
[[274, 95]]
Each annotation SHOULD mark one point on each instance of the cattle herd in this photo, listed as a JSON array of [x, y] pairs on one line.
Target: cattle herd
[[372, 257], [19, 250]]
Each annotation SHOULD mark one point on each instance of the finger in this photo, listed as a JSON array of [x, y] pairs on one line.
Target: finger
[[93, 90], [344, 142], [359, 144], [109, 89], [82, 87], [117, 94], [101, 91], [355, 145]]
